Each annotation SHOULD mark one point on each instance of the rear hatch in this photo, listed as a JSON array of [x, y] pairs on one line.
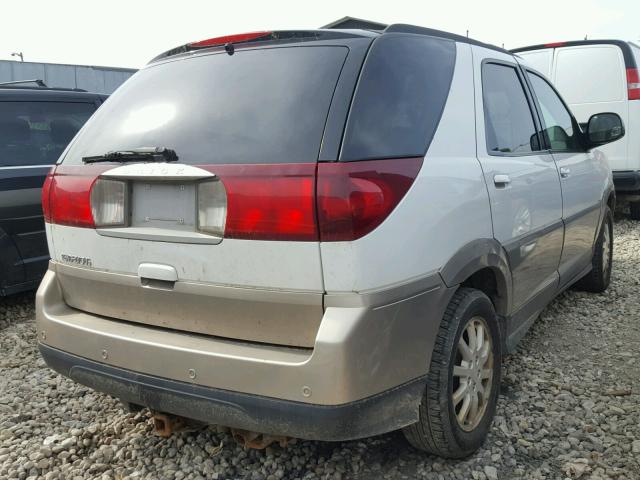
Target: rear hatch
[[223, 239]]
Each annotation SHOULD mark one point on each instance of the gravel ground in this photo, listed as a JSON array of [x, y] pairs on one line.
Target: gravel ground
[[570, 408]]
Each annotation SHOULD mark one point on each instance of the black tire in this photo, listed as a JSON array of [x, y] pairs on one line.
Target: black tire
[[634, 210], [598, 279], [438, 431]]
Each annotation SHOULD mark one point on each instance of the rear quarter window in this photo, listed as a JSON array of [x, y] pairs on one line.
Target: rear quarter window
[[590, 74], [399, 98]]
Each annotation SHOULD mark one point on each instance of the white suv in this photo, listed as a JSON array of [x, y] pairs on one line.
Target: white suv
[[321, 234]]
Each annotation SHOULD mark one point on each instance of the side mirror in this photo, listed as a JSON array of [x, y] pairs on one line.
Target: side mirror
[[604, 128]]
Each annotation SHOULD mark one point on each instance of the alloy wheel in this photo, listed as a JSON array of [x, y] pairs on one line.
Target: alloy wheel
[[472, 374]]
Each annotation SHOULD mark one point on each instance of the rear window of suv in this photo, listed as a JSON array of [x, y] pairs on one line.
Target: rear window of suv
[[256, 106], [36, 133]]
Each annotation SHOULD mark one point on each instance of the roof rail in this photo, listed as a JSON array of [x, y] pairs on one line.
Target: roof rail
[[17, 83], [36, 85], [404, 28]]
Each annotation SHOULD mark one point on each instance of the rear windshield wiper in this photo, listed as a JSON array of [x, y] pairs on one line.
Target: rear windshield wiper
[[144, 154]]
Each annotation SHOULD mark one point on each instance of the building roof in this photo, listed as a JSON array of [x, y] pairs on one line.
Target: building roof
[[359, 23]]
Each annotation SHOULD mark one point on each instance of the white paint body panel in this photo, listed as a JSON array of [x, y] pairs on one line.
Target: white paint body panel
[[243, 263], [446, 207]]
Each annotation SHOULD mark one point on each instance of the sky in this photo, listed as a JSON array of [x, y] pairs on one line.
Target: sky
[[129, 33]]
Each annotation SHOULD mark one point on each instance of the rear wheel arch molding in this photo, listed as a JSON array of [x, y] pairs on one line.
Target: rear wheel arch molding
[[476, 257], [610, 196], [608, 200]]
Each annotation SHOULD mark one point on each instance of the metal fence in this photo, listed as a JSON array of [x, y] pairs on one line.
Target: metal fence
[[90, 78]]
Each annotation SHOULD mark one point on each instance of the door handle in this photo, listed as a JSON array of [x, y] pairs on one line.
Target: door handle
[[564, 172], [501, 180]]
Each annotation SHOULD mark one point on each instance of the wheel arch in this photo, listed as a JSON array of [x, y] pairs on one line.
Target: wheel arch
[[611, 199], [482, 264]]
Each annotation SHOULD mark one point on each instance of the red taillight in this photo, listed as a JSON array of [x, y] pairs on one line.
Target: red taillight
[[238, 38], [269, 202], [46, 190], [633, 83], [68, 192], [555, 44], [356, 197]]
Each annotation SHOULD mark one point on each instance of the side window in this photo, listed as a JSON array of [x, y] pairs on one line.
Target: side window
[[560, 130], [36, 133], [507, 116]]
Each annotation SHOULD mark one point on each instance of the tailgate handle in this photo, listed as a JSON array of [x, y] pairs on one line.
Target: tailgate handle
[[157, 275]]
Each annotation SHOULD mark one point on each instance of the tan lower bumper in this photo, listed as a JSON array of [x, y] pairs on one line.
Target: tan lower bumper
[[359, 351]]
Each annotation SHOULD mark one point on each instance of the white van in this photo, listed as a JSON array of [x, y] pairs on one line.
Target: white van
[[597, 76]]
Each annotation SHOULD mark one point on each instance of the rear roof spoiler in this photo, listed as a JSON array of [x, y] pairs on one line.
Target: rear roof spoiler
[[228, 41]]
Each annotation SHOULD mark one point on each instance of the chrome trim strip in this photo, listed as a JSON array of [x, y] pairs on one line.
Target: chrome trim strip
[[20, 167]]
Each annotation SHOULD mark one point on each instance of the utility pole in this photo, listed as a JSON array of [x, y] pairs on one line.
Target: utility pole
[[18, 54]]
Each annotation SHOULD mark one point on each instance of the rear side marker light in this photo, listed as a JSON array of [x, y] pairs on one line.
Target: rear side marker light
[[212, 207], [633, 83], [108, 203]]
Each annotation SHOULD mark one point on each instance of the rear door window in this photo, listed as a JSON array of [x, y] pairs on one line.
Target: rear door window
[[508, 119], [590, 74], [265, 105], [400, 97], [36, 133]]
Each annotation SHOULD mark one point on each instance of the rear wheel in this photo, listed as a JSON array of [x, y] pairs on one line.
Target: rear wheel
[[598, 279], [463, 382]]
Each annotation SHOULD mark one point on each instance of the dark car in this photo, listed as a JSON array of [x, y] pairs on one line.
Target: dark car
[[36, 124]]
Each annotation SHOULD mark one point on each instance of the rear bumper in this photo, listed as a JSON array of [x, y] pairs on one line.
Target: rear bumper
[[627, 181], [367, 346], [381, 413]]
